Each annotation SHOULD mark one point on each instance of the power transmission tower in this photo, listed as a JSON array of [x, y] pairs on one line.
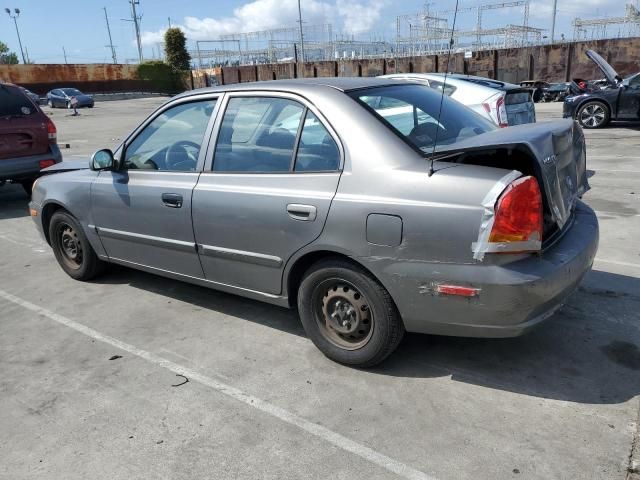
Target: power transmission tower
[[113, 49]]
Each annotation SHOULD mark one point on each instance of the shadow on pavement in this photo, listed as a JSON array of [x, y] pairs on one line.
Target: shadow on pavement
[[14, 202], [586, 353]]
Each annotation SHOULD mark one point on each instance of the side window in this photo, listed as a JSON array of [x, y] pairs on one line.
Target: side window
[[258, 134], [172, 141], [317, 151]]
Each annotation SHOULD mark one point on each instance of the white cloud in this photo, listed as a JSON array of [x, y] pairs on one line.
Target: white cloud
[[353, 16]]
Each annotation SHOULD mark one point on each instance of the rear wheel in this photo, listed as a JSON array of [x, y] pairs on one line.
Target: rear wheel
[[593, 115], [347, 314], [72, 249]]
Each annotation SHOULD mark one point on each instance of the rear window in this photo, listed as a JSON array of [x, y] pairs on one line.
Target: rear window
[[15, 103], [519, 97], [413, 113]]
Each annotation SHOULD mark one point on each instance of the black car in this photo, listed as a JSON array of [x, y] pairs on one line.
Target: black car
[[61, 97], [595, 107]]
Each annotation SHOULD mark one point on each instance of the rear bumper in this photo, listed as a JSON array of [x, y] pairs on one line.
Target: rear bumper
[[513, 297], [23, 168]]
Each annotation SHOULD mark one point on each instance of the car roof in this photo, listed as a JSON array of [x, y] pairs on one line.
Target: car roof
[[452, 79], [300, 85]]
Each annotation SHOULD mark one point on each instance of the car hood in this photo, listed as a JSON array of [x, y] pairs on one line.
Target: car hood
[[66, 166], [609, 72], [559, 150]]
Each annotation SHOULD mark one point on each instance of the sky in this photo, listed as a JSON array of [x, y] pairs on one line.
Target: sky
[[79, 26]]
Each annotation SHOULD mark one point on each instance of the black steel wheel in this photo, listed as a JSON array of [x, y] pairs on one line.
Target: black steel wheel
[[593, 115], [72, 249], [347, 314]]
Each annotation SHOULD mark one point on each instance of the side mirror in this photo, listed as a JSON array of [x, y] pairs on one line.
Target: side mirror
[[102, 160]]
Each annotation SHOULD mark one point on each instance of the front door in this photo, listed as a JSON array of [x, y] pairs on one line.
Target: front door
[[142, 212], [629, 100], [275, 172]]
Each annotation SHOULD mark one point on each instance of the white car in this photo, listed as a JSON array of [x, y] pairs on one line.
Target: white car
[[503, 103]]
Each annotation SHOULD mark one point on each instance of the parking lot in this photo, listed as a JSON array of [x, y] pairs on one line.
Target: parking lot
[[93, 375]]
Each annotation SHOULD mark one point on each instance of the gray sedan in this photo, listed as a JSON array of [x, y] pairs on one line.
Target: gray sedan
[[352, 199]]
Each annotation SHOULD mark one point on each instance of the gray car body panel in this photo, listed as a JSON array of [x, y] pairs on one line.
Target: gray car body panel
[[249, 244]]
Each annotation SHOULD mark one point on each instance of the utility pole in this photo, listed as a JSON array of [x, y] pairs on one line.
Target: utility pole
[[65, 55], [15, 15], [136, 22], [169, 18], [113, 50], [553, 21], [301, 35]]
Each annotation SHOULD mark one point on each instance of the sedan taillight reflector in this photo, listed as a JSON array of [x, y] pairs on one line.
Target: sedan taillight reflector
[[457, 290], [46, 163]]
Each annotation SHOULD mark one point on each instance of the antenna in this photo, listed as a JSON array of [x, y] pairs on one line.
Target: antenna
[[444, 86]]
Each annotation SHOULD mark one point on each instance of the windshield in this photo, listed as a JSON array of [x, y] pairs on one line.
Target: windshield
[[71, 91], [412, 112]]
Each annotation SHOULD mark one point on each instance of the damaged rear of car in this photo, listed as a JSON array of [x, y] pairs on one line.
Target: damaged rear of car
[[532, 242]]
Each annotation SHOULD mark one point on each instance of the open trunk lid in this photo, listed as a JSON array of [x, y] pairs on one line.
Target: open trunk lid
[[560, 160], [23, 127], [609, 72]]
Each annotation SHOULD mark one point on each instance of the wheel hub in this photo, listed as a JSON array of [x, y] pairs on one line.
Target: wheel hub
[[70, 243], [346, 314]]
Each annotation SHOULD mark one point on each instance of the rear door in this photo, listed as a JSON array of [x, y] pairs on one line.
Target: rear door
[[267, 189], [23, 128], [142, 212]]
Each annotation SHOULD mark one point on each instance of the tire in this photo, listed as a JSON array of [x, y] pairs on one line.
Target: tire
[[90, 106], [66, 236], [68, 105], [50, 103], [593, 114], [365, 324]]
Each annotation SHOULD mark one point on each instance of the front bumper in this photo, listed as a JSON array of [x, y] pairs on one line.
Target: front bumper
[[23, 168], [513, 298]]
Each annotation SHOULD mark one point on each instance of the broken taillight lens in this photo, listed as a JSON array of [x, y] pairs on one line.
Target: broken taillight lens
[[518, 215]]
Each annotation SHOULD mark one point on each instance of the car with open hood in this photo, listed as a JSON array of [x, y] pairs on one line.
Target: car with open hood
[[595, 106], [374, 206]]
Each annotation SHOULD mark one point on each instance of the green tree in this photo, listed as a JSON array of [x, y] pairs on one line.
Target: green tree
[[175, 49], [7, 57]]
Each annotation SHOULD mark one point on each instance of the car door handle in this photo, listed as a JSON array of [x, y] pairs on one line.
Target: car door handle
[[172, 200], [305, 213]]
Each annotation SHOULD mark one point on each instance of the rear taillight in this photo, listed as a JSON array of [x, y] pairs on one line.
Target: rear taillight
[[518, 217], [501, 110], [52, 133], [46, 163], [497, 110]]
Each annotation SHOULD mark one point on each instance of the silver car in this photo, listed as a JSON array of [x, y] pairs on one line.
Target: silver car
[[350, 198]]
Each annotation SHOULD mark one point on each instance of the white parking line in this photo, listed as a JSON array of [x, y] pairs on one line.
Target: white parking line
[[319, 431], [606, 170]]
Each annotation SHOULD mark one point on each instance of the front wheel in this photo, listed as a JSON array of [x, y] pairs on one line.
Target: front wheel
[[347, 314], [50, 103], [72, 249], [593, 115]]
